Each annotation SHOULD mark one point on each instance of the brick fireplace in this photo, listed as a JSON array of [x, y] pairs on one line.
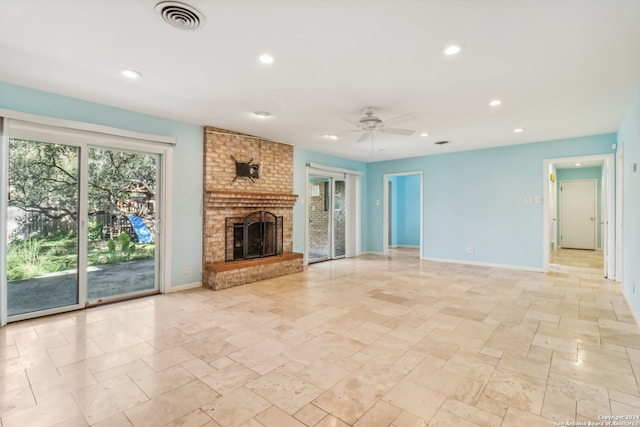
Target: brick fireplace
[[243, 175]]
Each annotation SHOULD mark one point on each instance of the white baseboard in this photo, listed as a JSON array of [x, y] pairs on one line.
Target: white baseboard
[[485, 264], [184, 287]]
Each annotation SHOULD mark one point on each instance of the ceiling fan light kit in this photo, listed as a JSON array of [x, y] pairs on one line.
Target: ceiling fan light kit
[[371, 123]]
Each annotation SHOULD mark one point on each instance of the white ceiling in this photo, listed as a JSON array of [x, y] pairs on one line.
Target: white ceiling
[[563, 68]]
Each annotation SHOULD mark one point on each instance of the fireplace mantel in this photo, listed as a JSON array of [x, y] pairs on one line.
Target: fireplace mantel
[[244, 199], [226, 196]]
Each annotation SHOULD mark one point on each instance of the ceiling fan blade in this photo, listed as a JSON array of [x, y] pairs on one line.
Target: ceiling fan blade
[[356, 124], [400, 119], [363, 137], [396, 131]]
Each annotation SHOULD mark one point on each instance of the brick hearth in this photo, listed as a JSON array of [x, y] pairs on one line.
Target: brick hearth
[[225, 197]]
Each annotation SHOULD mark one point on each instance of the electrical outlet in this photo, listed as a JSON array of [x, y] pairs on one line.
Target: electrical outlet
[[471, 250], [185, 270]]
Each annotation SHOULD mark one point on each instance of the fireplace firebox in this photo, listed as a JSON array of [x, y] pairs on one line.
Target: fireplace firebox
[[256, 235]]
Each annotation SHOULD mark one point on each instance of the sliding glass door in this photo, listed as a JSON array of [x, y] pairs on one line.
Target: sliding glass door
[[121, 238], [42, 226], [326, 218], [81, 224]]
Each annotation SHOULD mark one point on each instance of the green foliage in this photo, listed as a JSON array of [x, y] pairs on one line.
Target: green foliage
[[23, 259], [38, 256], [95, 230], [124, 241], [112, 246], [43, 178]]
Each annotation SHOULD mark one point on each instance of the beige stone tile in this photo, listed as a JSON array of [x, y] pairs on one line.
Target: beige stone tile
[[63, 384], [196, 418], [310, 415], [13, 381], [453, 412], [256, 354], [627, 399], [491, 406], [74, 352], [236, 407], [275, 417], [172, 405], [210, 349], [16, 399], [471, 365], [597, 367], [558, 407], [119, 357], [229, 378], [455, 386], [385, 375], [349, 399], [60, 409], [198, 368], [156, 383], [407, 419], [517, 390], [168, 358], [117, 420], [322, 374], [517, 418], [384, 325], [245, 339], [284, 390], [415, 399], [119, 370], [525, 365], [380, 414], [105, 399], [169, 338], [331, 421]]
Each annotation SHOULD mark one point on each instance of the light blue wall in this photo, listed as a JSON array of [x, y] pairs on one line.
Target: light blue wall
[[186, 238], [476, 199], [302, 157], [584, 173], [629, 140], [405, 219]]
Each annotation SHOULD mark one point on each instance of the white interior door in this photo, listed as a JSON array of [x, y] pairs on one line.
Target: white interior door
[[578, 217]]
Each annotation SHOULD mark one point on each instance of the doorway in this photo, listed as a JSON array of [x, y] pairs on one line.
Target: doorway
[[569, 169], [80, 220], [326, 212], [402, 211], [578, 214]]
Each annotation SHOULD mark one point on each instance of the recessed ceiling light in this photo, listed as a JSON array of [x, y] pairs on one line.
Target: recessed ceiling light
[[424, 134], [130, 74], [330, 136], [518, 130], [454, 49], [495, 102], [266, 59], [262, 114], [578, 164]]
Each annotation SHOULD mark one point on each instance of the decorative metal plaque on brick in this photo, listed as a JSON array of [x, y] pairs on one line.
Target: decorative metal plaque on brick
[[247, 170]]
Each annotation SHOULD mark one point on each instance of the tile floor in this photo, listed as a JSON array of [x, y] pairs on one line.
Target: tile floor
[[370, 341]]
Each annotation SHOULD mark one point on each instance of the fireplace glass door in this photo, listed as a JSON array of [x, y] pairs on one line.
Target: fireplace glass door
[[326, 218]]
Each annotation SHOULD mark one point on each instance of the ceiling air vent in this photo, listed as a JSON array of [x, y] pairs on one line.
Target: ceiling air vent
[[441, 142], [180, 15]]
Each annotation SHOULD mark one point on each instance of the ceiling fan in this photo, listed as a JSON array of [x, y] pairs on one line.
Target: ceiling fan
[[371, 123]]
